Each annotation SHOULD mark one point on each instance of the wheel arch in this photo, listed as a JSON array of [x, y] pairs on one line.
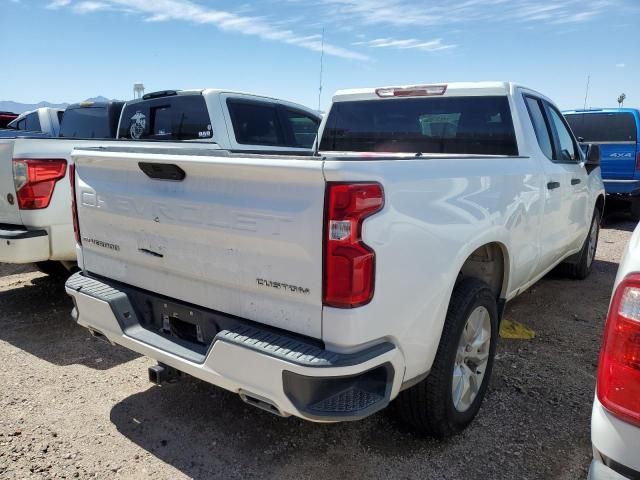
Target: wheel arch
[[490, 263]]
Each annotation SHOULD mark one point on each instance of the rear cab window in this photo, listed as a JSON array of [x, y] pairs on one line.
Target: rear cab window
[[604, 127], [479, 125], [173, 118], [90, 121]]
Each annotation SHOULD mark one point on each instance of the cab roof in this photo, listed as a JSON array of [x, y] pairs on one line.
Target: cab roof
[[452, 89], [603, 110], [217, 91]]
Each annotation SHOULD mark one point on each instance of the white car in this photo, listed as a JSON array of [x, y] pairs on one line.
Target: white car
[[327, 286], [615, 421], [46, 120], [35, 214]]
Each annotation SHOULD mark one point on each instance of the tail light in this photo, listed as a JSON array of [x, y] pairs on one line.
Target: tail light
[[35, 180], [638, 161], [349, 269], [74, 204], [619, 368]]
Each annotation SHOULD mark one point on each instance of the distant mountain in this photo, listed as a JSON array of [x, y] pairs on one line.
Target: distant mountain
[[17, 107]]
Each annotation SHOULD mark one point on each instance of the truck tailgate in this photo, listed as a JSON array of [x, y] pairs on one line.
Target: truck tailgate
[[9, 212], [618, 160], [239, 234]]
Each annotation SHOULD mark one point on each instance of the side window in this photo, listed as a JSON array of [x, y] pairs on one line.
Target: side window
[[22, 124], [566, 150], [536, 113], [303, 128], [255, 123], [33, 122]]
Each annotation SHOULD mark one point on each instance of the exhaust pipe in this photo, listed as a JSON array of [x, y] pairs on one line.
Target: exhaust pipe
[[260, 402], [99, 335]]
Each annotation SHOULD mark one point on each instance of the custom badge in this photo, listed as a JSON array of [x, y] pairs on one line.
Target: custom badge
[[139, 123]]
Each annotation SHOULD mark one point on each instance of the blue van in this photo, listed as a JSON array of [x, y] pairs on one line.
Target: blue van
[[616, 131]]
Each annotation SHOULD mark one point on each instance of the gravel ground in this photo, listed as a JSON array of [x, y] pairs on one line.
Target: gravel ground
[[73, 407]]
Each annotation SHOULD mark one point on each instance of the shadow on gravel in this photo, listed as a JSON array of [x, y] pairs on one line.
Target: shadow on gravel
[[619, 222], [36, 318], [534, 422], [617, 216], [207, 432]]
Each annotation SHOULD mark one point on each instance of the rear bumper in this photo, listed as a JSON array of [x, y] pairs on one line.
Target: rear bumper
[[19, 245], [622, 187], [599, 471], [616, 446], [283, 373]]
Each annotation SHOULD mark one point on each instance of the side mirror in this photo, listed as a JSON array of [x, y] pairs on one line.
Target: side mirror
[[593, 157]]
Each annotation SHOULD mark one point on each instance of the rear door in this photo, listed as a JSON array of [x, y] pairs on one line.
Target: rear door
[[616, 133], [564, 187], [575, 185], [237, 234]]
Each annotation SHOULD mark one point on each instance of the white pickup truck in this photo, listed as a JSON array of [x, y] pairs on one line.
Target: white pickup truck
[[46, 120], [327, 286], [35, 215]]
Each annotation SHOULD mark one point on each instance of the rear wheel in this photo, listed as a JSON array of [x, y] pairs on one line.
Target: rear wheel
[[450, 397]]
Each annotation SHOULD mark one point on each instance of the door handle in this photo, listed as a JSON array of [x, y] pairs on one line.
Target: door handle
[[575, 181], [553, 185], [162, 171]]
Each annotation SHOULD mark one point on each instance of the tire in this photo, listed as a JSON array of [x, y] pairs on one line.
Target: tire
[[430, 406], [582, 268], [53, 269], [635, 208]]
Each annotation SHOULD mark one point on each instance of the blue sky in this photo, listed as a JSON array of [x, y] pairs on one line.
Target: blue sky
[[68, 50]]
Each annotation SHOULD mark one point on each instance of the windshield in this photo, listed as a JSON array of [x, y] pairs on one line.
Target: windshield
[[466, 125]]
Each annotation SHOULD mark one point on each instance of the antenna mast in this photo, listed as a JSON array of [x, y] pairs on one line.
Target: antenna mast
[[321, 66], [586, 93]]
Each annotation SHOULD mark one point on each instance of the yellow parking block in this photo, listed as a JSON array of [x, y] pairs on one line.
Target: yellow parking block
[[515, 331]]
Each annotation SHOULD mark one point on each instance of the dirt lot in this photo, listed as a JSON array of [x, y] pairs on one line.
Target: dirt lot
[[73, 407]]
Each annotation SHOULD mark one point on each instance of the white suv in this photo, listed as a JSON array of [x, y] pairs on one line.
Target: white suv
[[615, 422]]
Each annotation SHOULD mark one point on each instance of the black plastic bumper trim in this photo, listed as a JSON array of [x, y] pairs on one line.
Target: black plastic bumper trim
[[623, 470], [18, 232], [273, 342], [340, 398], [296, 351]]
